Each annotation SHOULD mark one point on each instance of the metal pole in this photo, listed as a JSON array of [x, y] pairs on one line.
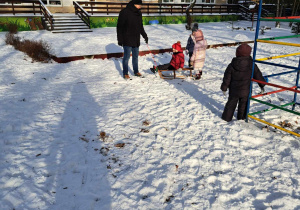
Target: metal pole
[[297, 83], [254, 55]]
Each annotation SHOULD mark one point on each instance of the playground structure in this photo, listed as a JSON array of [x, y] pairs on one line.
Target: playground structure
[[263, 61]]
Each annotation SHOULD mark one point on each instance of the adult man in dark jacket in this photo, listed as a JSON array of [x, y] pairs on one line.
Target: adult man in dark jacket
[[237, 78], [129, 29]]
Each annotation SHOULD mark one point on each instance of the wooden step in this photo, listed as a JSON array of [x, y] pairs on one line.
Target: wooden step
[[70, 27], [67, 24], [72, 30]]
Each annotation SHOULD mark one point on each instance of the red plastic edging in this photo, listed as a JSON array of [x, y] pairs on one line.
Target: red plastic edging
[[288, 17], [141, 53]]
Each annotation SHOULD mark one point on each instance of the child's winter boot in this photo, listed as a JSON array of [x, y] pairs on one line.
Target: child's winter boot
[[197, 76], [154, 69]]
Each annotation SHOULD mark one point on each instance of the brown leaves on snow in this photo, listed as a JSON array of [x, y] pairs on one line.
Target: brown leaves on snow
[[103, 136], [120, 145], [285, 124], [146, 123]]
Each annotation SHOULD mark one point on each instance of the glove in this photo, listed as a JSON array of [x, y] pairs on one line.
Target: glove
[[186, 52], [224, 93], [262, 90], [146, 40], [120, 44]]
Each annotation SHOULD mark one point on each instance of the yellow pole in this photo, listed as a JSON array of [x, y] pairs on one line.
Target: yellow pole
[[280, 43], [275, 126], [279, 56]]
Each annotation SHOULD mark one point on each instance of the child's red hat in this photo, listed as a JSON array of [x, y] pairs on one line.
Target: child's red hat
[[177, 46]]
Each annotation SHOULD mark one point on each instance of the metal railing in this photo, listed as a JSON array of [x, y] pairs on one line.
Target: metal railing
[[47, 14], [82, 14]]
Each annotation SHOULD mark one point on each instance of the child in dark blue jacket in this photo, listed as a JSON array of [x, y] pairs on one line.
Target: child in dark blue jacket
[[190, 44]]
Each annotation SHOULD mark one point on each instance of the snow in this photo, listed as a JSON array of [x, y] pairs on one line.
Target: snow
[[51, 116]]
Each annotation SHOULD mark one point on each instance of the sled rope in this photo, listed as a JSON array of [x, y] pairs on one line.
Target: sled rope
[[152, 56]]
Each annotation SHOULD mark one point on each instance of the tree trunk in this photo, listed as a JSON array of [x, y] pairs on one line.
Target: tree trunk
[[277, 24], [293, 12], [188, 16]]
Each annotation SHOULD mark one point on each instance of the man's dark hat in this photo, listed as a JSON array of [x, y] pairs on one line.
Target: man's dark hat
[[139, 2]]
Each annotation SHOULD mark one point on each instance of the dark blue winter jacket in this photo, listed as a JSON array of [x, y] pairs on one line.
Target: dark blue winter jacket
[[190, 45]]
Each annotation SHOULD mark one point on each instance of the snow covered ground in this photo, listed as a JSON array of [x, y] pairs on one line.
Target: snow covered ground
[[177, 153]]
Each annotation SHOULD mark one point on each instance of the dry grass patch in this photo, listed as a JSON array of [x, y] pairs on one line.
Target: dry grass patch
[[39, 51]]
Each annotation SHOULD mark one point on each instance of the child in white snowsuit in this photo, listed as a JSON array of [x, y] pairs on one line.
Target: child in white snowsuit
[[198, 57]]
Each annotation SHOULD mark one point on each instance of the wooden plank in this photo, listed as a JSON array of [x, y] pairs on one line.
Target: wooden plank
[[174, 73]]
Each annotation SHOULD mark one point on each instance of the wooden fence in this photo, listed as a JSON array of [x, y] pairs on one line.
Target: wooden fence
[[34, 6], [158, 8], [19, 6]]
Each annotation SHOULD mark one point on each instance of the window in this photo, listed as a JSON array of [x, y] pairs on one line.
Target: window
[[6, 2], [168, 1], [52, 2], [207, 1]]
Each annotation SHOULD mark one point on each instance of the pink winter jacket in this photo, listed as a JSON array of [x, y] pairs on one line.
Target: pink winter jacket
[[198, 56]]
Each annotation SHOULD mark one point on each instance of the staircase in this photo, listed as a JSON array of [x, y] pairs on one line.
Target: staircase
[[246, 13], [65, 23], [248, 16]]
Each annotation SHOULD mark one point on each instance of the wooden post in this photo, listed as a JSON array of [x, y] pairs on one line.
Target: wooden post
[[33, 8], [160, 9], [13, 8]]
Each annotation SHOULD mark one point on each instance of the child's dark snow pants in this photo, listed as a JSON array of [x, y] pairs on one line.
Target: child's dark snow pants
[[190, 56], [167, 66], [230, 108]]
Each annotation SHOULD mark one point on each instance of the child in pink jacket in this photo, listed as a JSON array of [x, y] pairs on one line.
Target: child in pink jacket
[[198, 57]]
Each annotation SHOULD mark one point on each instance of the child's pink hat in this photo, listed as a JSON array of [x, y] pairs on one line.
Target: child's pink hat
[[198, 35]]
